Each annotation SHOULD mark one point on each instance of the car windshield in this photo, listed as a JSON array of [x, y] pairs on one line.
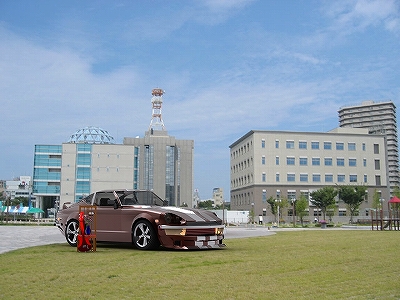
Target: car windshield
[[140, 198]]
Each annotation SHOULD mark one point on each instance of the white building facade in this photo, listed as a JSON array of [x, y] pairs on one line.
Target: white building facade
[[282, 164]]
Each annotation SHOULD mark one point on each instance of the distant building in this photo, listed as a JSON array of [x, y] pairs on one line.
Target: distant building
[[378, 118], [218, 197], [20, 187], [91, 161], [283, 164]]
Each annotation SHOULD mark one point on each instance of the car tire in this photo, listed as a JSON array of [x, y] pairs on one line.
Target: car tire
[[71, 232], [144, 236]]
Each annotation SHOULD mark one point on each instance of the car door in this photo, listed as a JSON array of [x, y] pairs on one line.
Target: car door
[[108, 219]]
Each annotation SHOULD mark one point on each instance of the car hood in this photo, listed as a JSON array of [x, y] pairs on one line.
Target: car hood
[[189, 214]]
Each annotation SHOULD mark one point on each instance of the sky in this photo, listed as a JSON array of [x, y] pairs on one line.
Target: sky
[[227, 67]]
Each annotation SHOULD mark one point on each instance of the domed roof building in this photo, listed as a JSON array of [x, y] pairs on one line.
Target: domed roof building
[[91, 135]]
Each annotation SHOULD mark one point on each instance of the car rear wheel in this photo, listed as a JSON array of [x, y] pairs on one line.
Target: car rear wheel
[[71, 232], [144, 236]]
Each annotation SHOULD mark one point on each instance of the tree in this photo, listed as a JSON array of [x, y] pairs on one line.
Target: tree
[[353, 196], [376, 200], [323, 198], [301, 206], [207, 204], [273, 206], [330, 211]]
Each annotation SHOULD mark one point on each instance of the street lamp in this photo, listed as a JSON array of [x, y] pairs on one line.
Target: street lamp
[[294, 211], [278, 200]]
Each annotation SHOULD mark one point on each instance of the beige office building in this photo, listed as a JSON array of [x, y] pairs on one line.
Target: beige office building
[[283, 164]]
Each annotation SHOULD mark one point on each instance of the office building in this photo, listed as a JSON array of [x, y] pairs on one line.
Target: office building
[[283, 164], [378, 118], [92, 161]]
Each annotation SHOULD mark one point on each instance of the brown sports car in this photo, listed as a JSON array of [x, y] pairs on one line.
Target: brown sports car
[[141, 217]]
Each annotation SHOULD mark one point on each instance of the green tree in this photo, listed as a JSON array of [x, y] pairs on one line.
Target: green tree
[[301, 206], [376, 200], [273, 206], [207, 204], [353, 196], [20, 201], [323, 198], [330, 211]]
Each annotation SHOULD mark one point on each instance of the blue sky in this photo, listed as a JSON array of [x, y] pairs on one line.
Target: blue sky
[[227, 67]]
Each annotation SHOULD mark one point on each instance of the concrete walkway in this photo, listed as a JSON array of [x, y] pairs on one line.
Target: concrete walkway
[[17, 237]]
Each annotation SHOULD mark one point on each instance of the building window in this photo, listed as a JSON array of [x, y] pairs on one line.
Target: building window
[[316, 178], [264, 196], [277, 177], [328, 161], [365, 178], [264, 177], [315, 161], [364, 162], [276, 144], [340, 162], [277, 160], [352, 162], [263, 160], [339, 146], [315, 145], [303, 161], [328, 178], [376, 148], [341, 178], [290, 161], [377, 164], [378, 180], [302, 145], [327, 145], [351, 146], [353, 178], [289, 144], [303, 177], [262, 143], [363, 146], [291, 177]]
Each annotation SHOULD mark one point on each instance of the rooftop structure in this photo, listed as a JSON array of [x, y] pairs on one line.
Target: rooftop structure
[[91, 135], [156, 122]]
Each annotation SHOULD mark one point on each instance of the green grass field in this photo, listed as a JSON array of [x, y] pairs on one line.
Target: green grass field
[[315, 264]]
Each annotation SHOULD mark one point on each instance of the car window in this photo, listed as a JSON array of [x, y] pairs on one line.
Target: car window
[[129, 199], [148, 198], [88, 199], [105, 199]]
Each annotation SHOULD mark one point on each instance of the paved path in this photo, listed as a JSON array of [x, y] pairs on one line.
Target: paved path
[[17, 237]]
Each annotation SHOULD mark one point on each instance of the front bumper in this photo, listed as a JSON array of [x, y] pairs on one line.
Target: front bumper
[[191, 237]]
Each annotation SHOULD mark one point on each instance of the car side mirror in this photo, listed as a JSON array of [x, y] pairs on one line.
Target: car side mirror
[[116, 204]]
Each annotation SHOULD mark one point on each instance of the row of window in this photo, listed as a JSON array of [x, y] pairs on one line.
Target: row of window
[[315, 145], [316, 177], [316, 161]]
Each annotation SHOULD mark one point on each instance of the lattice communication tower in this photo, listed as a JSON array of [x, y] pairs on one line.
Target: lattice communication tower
[[156, 122]]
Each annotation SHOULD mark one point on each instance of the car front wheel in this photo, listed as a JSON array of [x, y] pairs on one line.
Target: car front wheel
[[71, 232], [144, 236]]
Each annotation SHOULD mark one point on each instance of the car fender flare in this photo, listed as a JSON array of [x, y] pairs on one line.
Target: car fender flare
[[144, 216]]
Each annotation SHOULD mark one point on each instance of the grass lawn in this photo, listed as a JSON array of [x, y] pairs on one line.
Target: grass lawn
[[315, 264]]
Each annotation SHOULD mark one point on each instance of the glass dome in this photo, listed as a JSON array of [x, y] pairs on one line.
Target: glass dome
[[91, 135]]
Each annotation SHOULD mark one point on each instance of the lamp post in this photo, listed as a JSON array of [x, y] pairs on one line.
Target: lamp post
[[278, 200], [294, 211]]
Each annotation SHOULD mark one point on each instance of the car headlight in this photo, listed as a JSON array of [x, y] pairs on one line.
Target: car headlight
[[170, 218], [219, 231]]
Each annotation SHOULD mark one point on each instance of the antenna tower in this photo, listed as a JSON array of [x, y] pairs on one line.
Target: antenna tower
[[156, 122]]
